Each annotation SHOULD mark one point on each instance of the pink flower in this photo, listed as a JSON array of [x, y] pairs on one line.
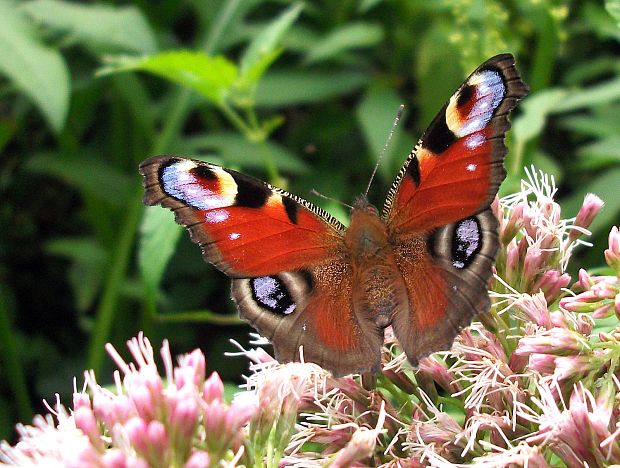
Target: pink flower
[[591, 207], [558, 341], [612, 254], [578, 432], [551, 283], [362, 444]]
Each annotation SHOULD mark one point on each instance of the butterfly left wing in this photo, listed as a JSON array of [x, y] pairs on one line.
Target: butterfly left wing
[[437, 211], [291, 278]]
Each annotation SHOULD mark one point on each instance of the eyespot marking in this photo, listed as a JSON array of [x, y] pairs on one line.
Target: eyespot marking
[[466, 242], [202, 187], [272, 294]]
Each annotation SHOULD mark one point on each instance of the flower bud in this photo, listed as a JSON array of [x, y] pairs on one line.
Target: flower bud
[[588, 211], [612, 254], [551, 283], [213, 389], [514, 224], [558, 341]]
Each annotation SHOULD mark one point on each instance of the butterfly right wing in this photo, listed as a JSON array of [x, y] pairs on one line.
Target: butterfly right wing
[[438, 209]]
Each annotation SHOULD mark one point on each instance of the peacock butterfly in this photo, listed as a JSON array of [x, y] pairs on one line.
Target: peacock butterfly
[[422, 265]]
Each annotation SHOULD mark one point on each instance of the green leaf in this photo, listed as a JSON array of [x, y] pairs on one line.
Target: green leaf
[[601, 152], [438, 73], [88, 262], [589, 97], [534, 112], [88, 175], [102, 28], [284, 88], [376, 114], [601, 123], [263, 50], [212, 77], [366, 5], [158, 239], [235, 150], [613, 8], [599, 21], [346, 37], [36, 70]]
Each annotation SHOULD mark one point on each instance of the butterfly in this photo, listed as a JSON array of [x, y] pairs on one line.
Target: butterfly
[[421, 266]]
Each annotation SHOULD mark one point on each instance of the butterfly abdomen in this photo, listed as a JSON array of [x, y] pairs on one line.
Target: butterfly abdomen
[[378, 292]]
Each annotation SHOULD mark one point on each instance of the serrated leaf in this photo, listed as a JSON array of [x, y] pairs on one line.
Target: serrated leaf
[[158, 239], [102, 28], [210, 76], [235, 150], [345, 38], [264, 49], [88, 175], [295, 87], [36, 70]]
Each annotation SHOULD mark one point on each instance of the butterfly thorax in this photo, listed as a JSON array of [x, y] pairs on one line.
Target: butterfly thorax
[[366, 238], [378, 286]]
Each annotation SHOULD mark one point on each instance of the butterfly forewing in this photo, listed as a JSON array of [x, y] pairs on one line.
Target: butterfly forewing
[[244, 226], [457, 166]]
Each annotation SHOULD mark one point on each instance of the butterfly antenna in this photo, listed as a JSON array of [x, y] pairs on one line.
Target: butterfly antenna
[[325, 197], [399, 114]]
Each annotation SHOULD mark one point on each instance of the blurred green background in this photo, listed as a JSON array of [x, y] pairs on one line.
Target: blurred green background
[[300, 94]]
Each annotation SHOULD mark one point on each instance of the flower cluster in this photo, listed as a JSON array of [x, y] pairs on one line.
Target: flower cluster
[[148, 421], [535, 383]]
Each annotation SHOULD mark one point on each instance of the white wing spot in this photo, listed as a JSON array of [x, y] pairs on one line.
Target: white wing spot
[[216, 216], [474, 140]]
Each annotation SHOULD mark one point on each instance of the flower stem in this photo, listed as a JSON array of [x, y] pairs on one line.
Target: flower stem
[[15, 378]]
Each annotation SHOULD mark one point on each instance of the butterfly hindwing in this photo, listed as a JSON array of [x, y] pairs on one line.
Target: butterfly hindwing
[[446, 284], [311, 309], [438, 208]]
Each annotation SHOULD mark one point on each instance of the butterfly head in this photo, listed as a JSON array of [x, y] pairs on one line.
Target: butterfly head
[[362, 205]]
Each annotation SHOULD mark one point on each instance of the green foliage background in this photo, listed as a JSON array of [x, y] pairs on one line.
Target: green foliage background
[[300, 94]]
